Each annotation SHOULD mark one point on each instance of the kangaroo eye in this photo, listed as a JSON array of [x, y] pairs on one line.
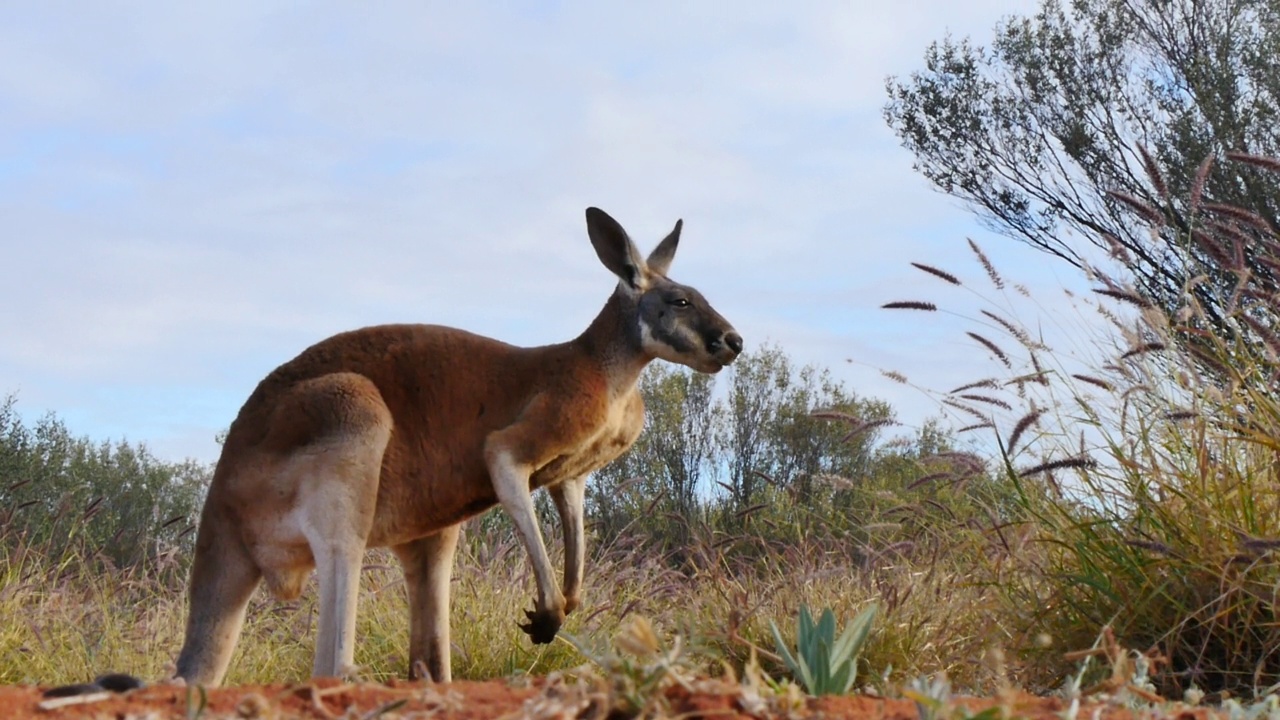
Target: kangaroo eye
[[680, 303]]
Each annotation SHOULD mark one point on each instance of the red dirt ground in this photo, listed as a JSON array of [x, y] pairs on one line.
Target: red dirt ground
[[540, 700]]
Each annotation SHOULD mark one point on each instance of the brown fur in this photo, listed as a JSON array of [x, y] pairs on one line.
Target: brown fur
[[393, 435]]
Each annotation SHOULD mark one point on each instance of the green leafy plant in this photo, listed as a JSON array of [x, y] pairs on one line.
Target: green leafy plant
[[824, 664]]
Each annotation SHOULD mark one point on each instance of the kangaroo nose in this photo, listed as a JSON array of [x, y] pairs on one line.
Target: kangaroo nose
[[734, 341]]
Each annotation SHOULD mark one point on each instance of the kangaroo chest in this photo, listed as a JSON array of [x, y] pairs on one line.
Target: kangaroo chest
[[622, 425]]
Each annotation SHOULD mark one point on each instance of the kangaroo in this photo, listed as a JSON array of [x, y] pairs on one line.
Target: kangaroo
[[393, 435]]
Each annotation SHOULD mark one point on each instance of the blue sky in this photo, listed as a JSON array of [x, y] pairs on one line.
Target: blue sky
[[193, 193]]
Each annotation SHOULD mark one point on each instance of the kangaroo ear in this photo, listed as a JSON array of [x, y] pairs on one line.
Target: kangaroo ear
[[660, 259], [615, 249]]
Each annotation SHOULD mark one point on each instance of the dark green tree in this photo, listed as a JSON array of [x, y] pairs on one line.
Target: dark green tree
[[1060, 125], [705, 453], [778, 427], [757, 389], [65, 493], [660, 482]]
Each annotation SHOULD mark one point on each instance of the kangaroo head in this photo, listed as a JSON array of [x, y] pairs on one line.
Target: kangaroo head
[[671, 321]]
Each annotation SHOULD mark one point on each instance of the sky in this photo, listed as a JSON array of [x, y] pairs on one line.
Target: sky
[[192, 193]]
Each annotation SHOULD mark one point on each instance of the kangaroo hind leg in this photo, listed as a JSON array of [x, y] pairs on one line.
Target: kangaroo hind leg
[[223, 578], [428, 567], [337, 474], [338, 568]]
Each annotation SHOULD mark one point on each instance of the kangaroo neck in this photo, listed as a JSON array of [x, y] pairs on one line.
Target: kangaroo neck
[[612, 340]]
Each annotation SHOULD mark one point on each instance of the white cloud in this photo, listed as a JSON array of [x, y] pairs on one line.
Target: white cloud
[[194, 194]]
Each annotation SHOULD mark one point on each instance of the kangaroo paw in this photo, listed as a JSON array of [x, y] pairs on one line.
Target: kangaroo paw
[[543, 625]]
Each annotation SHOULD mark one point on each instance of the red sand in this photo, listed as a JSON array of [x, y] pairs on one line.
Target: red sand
[[498, 699]]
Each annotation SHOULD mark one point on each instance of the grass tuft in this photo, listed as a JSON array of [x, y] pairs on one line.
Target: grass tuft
[[995, 349], [943, 274], [910, 305]]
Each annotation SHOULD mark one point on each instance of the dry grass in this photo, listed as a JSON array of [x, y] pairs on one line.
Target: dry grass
[[70, 620]]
